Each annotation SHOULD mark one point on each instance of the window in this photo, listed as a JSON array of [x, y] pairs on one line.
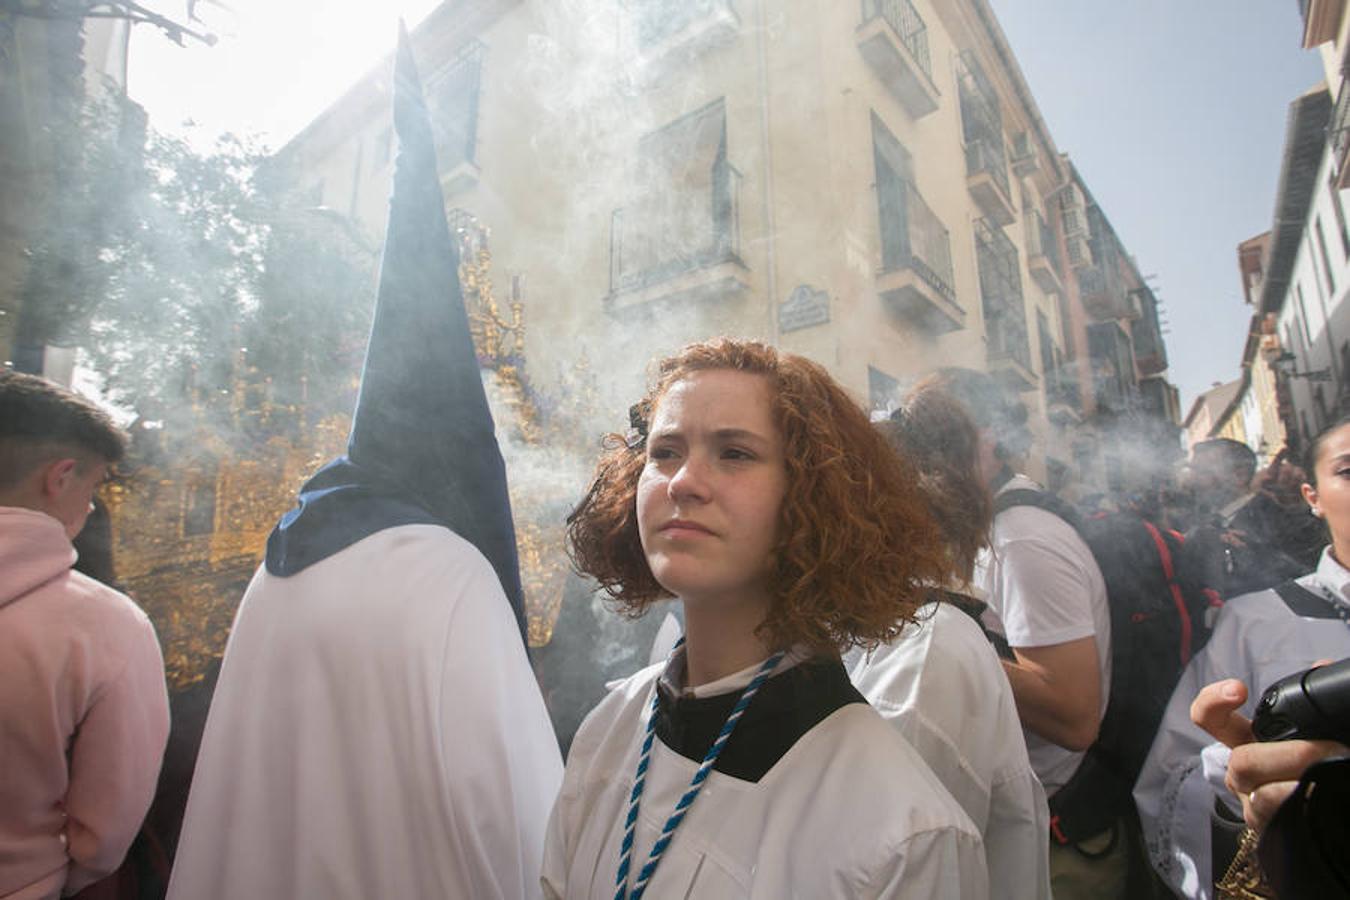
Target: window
[[685, 214], [452, 100], [895, 178], [1340, 217], [1303, 320], [1049, 367], [1326, 260], [659, 20]]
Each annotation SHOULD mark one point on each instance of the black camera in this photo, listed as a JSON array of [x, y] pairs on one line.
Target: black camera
[[1311, 705]]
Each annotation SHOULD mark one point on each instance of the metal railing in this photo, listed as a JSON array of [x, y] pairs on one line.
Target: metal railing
[[1103, 292], [913, 237], [1339, 129], [983, 155], [1005, 310], [644, 250], [658, 20], [1112, 367], [452, 100], [905, 20], [1041, 239]]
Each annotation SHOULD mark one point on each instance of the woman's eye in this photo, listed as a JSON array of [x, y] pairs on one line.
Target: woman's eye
[[658, 453], [737, 453]]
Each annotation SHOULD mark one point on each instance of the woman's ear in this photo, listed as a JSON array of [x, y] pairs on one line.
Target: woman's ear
[[1310, 497]]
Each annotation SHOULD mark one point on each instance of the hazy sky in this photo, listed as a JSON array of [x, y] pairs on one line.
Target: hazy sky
[[277, 64], [1173, 110]]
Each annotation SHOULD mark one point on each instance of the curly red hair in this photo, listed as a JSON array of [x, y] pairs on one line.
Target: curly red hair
[[856, 542]]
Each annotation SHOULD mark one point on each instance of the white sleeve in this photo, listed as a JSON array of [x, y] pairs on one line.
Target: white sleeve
[[1174, 799], [1044, 587], [942, 864], [501, 756], [1016, 839]]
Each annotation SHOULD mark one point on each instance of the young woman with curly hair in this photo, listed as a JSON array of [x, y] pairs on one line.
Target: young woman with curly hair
[[754, 489], [939, 683]]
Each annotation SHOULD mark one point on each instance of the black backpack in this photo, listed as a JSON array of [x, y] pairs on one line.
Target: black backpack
[[1157, 623]]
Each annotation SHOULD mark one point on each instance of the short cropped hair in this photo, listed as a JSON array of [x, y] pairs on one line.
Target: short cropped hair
[[991, 405], [856, 545], [41, 421], [1236, 456], [933, 432]]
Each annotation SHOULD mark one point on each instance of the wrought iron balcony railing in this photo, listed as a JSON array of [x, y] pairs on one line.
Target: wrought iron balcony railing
[[907, 23], [982, 155], [658, 20], [452, 99], [1041, 239], [1005, 311], [649, 246], [913, 237], [1339, 130]]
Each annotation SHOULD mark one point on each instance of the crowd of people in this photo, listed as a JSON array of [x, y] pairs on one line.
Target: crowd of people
[[903, 668], [887, 673]]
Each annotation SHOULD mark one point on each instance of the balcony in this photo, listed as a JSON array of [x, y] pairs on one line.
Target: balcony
[[680, 28], [452, 102], [1112, 368], [1005, 314], [1043, 260], [1103, 293], [1025, 160], [893, 39], [677, 249], [1339, 132], [987, 179], [915, 281], [1150, 353], [1064, 407], [982, 131], [1008, 352], [1321, 20]]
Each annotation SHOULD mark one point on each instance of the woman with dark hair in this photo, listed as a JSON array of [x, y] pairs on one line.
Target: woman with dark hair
[[755, 490], [1258, 638], [939, 683]]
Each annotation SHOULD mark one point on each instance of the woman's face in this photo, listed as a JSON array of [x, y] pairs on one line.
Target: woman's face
[[1331, 498], [709, 495]]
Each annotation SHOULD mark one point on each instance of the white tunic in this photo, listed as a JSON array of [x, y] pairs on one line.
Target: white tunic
[[1044, 588], [1258, 640], [376, 732], [849, 811], [940, 685]]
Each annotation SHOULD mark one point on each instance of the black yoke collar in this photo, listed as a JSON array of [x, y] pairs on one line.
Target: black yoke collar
[[786, 707]]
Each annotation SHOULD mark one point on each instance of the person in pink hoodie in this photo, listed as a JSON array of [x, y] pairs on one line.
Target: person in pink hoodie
[[84, 712]]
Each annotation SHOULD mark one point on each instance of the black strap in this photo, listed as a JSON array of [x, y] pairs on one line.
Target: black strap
[[1306, 603]]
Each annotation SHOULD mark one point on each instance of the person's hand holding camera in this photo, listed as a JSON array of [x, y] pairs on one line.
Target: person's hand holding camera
[[1261, 774]]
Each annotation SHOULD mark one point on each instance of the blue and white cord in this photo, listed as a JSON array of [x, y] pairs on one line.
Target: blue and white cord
[[695, 785]]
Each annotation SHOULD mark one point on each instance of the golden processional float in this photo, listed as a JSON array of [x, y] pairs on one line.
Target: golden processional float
[[186, 540]]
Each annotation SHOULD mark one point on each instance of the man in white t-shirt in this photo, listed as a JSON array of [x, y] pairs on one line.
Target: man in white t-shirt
[[1047, 597]]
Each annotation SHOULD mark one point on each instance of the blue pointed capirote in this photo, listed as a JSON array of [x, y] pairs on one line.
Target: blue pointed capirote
[[423, 447]]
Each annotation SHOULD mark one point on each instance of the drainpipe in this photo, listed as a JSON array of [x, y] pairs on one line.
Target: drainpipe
[[766, 153]]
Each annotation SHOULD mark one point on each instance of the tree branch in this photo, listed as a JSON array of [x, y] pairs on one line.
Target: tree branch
[[127, 10]]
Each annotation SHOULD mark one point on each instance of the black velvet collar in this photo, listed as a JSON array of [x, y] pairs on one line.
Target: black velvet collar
[[786, 707]]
